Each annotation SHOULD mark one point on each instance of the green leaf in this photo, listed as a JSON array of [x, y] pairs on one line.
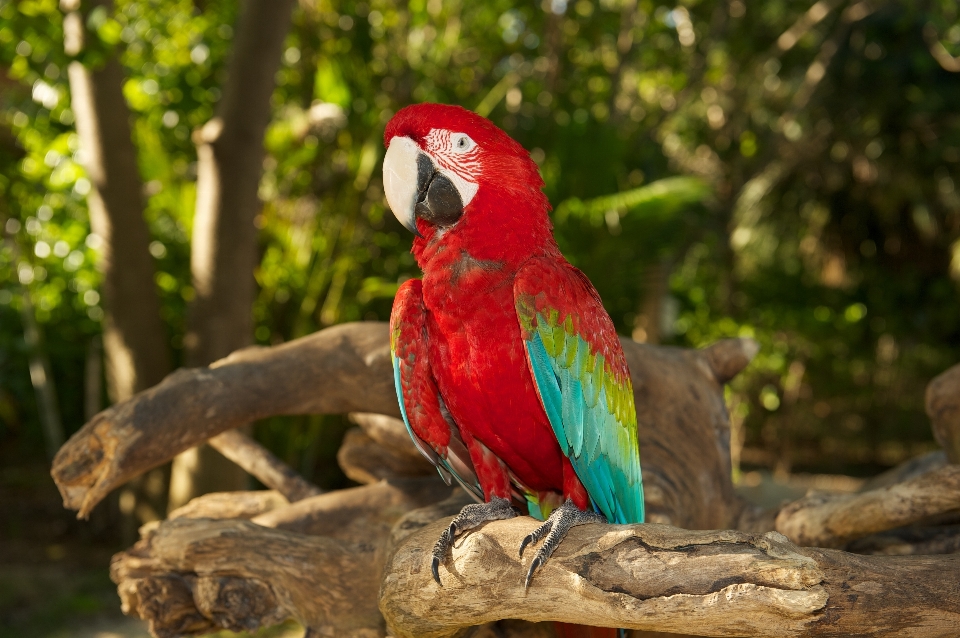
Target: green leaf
[[671, 192]]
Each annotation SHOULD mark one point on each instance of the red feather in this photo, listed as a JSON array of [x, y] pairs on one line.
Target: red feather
[[476, 353], [465, 319]]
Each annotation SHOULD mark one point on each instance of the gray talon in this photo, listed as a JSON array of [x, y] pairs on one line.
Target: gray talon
[[555, 528], [435, 568], [535, 536], [439, 551], [471, 516], [533, 567]]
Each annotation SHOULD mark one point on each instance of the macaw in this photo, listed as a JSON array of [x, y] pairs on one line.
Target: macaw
[[509, 373]]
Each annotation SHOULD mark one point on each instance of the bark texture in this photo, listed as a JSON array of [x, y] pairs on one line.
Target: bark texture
[[654, 577], [831, 521], [320, 563], [341, 369], [190, 576], [380, 449], [366, 461]]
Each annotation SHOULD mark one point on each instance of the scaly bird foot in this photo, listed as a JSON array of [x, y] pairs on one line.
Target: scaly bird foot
[[471, 516], [555, 528]]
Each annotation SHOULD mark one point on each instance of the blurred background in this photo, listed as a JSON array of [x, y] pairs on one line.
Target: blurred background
[[784, 170]]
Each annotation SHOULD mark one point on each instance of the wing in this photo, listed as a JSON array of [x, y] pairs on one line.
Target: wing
[[584, 385], [428, 422]]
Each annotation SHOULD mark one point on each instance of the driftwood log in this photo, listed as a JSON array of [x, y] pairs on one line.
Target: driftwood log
[[341, 369], [831, 521], [655, 577], [353, 562], [943, 408]]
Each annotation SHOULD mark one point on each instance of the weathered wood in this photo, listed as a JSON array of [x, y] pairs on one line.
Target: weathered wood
[[911, 541], [728, 357], [388, 431], [943, 408], [909, 469], [833, 520], [684, 431], [683, 423], [365, 461], [259, 462], [320, 560], [193, 576], [341, 369], [244, 505], [197, 576], [369, 511], [653, 577]]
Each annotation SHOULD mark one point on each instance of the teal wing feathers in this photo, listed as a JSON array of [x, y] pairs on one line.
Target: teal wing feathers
[[584, 384]]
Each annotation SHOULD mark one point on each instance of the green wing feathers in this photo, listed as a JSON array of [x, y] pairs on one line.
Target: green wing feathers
[[584, 385]]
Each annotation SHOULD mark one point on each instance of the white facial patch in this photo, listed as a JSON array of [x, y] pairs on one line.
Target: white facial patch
[[457, 158]]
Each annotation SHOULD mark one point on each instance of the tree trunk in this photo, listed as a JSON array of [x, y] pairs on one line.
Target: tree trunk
[[224, 242], [134, 338]]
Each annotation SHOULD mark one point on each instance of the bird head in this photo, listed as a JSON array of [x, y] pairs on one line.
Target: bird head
[[452, 175]]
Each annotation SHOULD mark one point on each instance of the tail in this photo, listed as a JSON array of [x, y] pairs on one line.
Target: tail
[[566, 630]]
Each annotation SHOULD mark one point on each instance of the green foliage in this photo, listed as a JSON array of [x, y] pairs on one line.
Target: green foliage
[[800, 190]]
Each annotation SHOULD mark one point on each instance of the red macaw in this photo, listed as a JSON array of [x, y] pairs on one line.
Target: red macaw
[[509, 372]]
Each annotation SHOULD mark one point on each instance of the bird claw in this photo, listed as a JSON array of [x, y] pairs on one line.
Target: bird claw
[[555, 528], [471, 516]]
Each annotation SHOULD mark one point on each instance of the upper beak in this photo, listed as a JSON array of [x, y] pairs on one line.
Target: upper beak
[[400, 180], [416, 188]]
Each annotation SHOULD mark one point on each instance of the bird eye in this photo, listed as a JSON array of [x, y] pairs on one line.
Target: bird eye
[[462, 143]]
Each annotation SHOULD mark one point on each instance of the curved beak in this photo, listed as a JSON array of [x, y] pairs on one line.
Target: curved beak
[[415, 187], [400, 183]]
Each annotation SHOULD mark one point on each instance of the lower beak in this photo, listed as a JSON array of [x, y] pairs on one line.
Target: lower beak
[[414, 187]]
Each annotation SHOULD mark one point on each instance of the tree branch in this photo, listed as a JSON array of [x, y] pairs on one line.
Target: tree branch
[[245, 505], [325, 559], [259, 462], [831, 521], [341, 369], [654, 577], [365, 461]]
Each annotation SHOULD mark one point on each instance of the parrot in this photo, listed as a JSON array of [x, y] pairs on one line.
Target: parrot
[[509, 373]]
